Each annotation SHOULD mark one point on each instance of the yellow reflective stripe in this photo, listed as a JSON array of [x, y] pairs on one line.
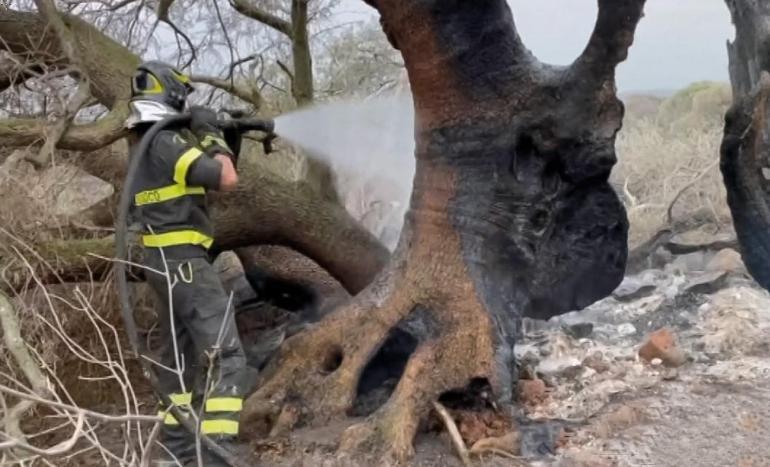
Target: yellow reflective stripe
[[208, 140], [168, 419], [219, 427], [166, 193], [182, 398], [180, 237], [183, 165], [181, 77], [224, 404]]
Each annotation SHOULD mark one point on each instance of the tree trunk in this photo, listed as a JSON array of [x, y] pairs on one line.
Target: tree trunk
[[745, 152], [302, 85], [511, 215]]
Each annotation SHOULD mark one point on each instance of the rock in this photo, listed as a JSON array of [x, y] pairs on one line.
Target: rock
[[700, 240], [566, 366], [736, 324], [58, 193], [617, 420], [633, 288], [626, 329], [578, 330], [669, 374], [532, 391], [596, 362], [691, 262], [72, 190], [706, 283], [661, 344], [727, 260]]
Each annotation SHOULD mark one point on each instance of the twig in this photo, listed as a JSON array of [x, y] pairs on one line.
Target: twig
[[60, 127], [78, 410], [454, 434], [59, 449], [146, 456], [703, 173]]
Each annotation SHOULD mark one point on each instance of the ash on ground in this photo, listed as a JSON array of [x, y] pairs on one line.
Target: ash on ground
[[697, 395]]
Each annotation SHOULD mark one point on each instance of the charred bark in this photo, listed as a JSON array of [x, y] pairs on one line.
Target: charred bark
[[745, 151], [511, 216]]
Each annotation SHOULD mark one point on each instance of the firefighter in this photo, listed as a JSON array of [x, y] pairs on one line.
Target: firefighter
[[202, 367]]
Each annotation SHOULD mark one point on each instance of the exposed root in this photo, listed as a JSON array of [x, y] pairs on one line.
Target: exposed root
[[318, 370], [432, 370]]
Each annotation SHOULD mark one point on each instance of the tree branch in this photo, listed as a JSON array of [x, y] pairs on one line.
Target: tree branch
[[246, 8], [28, 366], [750, 52], [612, 37], [58, 129], [19, 132], [246, 91], [66, 39]]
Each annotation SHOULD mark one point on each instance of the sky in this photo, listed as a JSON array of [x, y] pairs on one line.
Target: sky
[[677, 42]]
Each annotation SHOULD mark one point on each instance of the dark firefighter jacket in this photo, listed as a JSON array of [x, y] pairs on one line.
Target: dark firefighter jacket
[[169, 192]]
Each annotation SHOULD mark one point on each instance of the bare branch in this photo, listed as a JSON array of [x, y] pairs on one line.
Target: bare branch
[[28, 366], [164, 6], [66, 39], [77, 101], [695, 180], [246, 91], [246, 8], [454, 434]]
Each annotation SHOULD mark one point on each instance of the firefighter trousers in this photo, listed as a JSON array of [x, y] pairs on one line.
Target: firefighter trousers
[[200, 338]]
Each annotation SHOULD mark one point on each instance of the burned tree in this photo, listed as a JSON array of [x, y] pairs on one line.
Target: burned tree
[[511, 215], [745, 158]]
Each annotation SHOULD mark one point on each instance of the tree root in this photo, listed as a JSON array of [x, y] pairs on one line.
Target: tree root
[[320, 369]]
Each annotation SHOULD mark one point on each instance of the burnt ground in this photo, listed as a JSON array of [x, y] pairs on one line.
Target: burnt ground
[[713, 410]]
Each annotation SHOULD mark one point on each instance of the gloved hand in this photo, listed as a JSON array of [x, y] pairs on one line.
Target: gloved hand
[[203, 120]]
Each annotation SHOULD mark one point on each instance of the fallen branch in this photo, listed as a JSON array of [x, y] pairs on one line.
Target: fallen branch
[[28, 366], [57, 450], [78, 410], [454, 434]]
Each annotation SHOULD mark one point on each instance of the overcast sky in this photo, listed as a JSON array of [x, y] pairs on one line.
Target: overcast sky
[[678, 41]]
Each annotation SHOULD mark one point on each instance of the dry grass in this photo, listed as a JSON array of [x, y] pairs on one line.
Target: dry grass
[[667, 146]]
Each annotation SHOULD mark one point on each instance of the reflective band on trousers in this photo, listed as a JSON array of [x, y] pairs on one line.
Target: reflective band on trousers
[[224, 404], [219, 427], [180, 400], [158, 195], [180, 237]]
